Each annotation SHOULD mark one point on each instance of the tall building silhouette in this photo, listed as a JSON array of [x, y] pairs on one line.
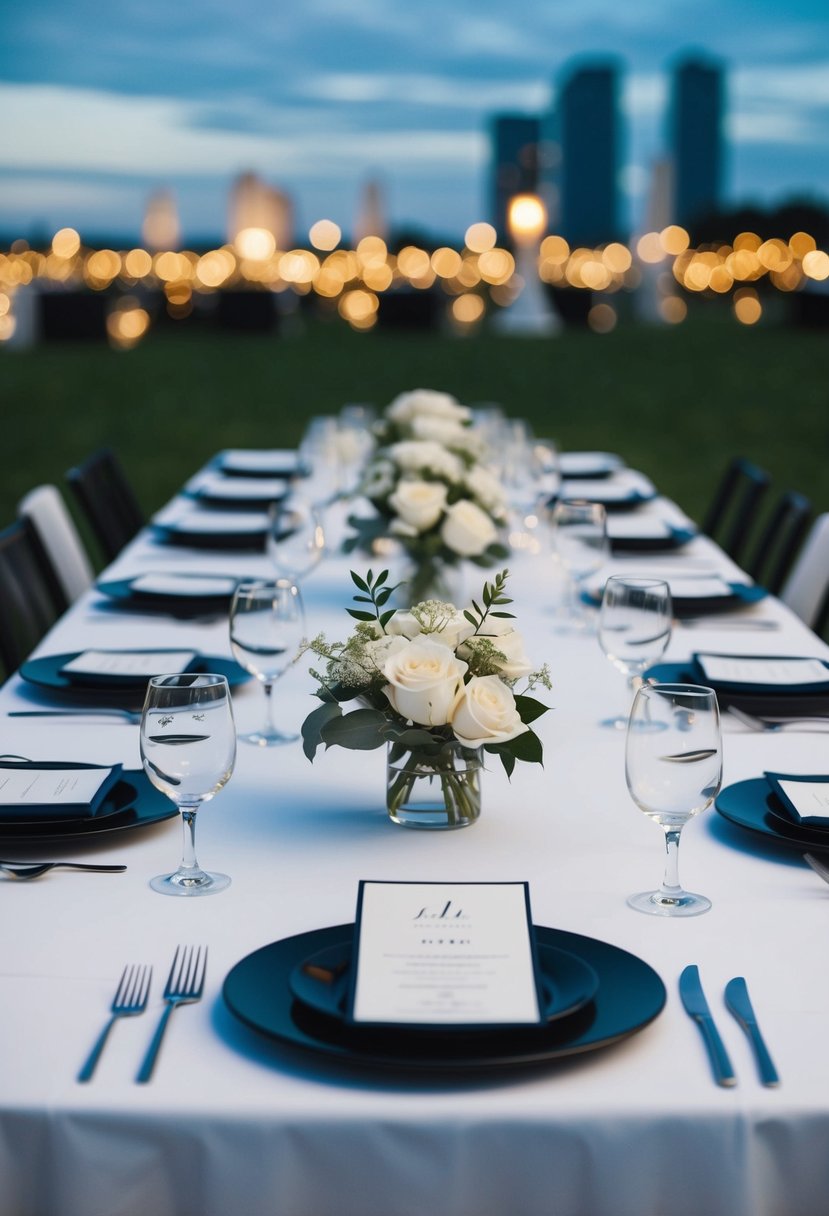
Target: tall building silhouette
[[581, 153], [696, 138], [514, 142]]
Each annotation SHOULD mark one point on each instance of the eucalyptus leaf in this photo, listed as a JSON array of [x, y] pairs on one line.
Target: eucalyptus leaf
[[313, 725], [361, 730]]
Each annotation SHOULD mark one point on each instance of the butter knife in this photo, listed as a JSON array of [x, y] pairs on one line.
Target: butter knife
[[696, 1006], [737, 1000]]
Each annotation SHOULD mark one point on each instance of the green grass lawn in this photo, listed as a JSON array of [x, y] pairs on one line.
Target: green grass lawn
[[675, 402]]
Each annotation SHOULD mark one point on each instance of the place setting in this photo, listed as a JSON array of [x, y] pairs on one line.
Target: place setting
[[452, 978], [182, 595], [221, 490], [778, 688], [616, 491], [788, 809]]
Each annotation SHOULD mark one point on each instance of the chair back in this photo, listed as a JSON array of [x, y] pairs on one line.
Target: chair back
[[46, 510], [733, 509], [108, 501], [30, 597], [806, 590], [780, 541]]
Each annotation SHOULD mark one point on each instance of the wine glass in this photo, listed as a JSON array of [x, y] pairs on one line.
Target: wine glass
[[267, 623], [673, 774], [580, 530], [295, 538], [634, 629], [188, 749]]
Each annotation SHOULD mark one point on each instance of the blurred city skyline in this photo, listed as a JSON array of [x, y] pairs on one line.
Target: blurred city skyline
[[103, 111]]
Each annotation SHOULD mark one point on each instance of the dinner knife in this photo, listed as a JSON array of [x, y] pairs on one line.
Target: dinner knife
[[693, 998], [737, 1000]]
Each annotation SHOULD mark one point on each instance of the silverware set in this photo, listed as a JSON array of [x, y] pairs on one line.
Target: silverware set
[[738, 1003], [185, 986], [34, 869]]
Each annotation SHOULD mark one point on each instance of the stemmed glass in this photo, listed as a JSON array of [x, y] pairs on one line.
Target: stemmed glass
[[580, 530], [634, 629], [267, 623], [295, 538], [188, 749], [672, 775]]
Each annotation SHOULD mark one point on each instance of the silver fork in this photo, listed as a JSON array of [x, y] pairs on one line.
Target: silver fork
[[185, 985], [130, 999]]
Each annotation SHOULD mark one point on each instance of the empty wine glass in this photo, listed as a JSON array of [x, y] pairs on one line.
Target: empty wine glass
[[295, 538], [188, 749], [634, 629], [267, 623], [580, 530], [673, 774]]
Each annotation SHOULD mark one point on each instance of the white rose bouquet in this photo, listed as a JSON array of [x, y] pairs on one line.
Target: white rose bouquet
[[426, 680], [429, 489]]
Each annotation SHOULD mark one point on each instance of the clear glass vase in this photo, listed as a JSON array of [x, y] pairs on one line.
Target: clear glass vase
[[432, 580], [440, 791]]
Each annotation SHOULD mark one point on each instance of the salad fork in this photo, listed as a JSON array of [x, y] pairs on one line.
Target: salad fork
[[185, 985], [130, 999]]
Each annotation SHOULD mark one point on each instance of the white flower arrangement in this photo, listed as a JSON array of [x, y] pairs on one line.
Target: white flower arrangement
[[427, 679], [428, 486]]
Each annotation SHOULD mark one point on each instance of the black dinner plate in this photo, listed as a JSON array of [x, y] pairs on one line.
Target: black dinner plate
[[47, 672], [285, 467], [258, 502], [740, 595], [753, 804], [121, 591], [133, 802], [589, 465], [567, 983], [257, 991], [674, 538], [197, 538], [773, 701]]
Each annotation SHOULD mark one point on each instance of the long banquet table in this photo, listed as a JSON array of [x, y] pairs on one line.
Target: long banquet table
[[234, 1122]]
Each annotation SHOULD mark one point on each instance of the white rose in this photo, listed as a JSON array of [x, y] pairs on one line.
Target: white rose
[[421, 401], [467, 530], [485, 713], [486, 488], [440, 430], [450, 627], [424, 680], [419, 503], [418, 456], [511, 645]]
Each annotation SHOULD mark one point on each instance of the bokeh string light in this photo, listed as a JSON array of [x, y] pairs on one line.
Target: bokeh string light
[[476, 279]]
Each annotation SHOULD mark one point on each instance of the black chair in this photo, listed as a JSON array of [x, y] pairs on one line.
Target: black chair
[[780, 541], [733, 509], [31, 599], [107, 500]]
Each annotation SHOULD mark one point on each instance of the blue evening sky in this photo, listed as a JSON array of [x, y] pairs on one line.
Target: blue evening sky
[[105, 102]]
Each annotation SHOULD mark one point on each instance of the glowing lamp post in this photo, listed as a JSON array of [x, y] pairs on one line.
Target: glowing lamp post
[[529, 312]]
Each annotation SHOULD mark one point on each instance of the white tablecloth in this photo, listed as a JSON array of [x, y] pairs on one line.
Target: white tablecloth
[[235, 1123]]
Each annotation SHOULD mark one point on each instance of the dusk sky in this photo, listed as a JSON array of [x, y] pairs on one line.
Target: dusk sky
[[104, 104]]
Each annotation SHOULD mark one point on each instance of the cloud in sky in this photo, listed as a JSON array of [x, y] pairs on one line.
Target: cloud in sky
[[109, 103]]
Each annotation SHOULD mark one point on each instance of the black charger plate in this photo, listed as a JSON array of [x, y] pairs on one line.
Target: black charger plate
[[131, 803], [795, 705], [121, 592], [675, 538], [257, 991], [753, 804], [197, 538], [47, 672]]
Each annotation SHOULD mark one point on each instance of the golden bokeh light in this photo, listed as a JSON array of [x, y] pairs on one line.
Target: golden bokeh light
[[8, 324], [747, 306], [372, 251], [649, 248], [748, 240], [673, 309], [446, 262], [801, 243], [496, 266], [299, 266], [602, 318], [674, 239], [127, 323], [526, 217], [468, 309], [617, 257], [479, 238], [413, 262], [66, 243], [325, 235], [816, 265], [255, 244], [138, 264], [215, 267]]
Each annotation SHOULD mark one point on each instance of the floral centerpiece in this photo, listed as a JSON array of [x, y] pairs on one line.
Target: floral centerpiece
[[430, 489], [437, 686]]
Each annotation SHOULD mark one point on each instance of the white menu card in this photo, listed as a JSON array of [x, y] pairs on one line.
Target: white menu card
[[746, 669], [806, 797], [64, 791], [202, 586], [444, 954], [129, 662]]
